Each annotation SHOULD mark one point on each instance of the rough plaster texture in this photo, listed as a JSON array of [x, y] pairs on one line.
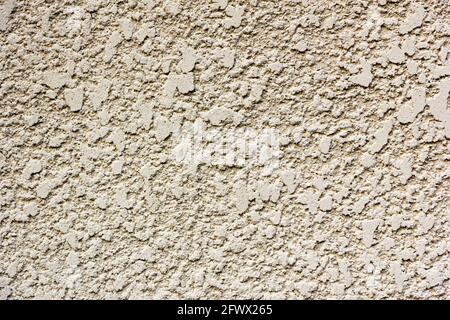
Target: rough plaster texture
[[102, 101]]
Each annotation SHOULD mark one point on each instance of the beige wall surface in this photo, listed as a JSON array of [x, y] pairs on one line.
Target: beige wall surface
[[288, 149]]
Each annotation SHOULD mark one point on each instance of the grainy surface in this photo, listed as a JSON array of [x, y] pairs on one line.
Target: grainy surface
[[120, 122]]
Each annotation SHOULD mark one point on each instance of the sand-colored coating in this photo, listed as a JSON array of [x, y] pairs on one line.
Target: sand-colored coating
[[224, 149]]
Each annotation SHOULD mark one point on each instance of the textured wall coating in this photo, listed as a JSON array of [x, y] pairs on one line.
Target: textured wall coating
[[224, 149]]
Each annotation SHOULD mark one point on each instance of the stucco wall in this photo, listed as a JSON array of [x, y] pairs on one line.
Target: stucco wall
[[224, 149]]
